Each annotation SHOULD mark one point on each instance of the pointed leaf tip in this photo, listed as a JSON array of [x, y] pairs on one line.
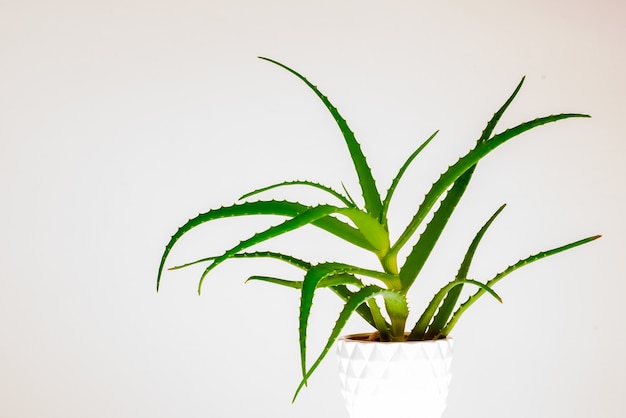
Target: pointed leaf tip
[[371, 196]]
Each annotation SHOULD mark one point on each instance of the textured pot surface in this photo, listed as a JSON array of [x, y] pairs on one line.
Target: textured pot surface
[[408, 379]]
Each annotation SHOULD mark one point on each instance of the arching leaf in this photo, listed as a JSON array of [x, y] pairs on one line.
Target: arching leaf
[[447, 307], [419, 331], [280, 208], [327, 189], [396, 179], [464, 306], [371, 196], [397, 300], [447, 179], [422, 249]]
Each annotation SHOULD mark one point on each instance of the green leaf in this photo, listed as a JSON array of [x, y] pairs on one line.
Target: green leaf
[[257, 254], [327, 189], [421, 251], [371, 229], [381, 325], [507, 271], [491, 125], [330, 281], [389, 280], [447, 307], [419, 331], [363, 310], [371, 196], [280, 208], [294, 284], [334, 283], [345, 190], [396, 180], [427, 240], [360, 297], [312, 215], [466, 162], [311, 282], [305, 218]]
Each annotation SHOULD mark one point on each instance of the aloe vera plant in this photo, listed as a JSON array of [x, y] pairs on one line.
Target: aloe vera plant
[[363, 290]]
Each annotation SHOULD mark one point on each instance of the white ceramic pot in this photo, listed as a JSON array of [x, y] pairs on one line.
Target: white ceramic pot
[[408, 379]]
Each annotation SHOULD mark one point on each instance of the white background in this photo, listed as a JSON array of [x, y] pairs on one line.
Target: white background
[[119, 120]]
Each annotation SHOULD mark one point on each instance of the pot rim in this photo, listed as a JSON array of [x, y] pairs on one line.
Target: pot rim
[[362, 338]]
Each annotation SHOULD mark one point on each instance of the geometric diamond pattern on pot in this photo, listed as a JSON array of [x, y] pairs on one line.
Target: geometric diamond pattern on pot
[[410, 379]]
